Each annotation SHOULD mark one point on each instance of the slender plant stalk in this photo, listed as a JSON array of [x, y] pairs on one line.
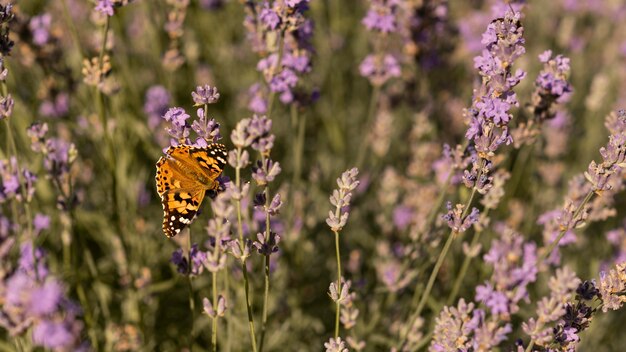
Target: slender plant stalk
[[11, 145], [265, 302], [439, 263], [266, 291], [338, 282], [530, 346], [464, 267], [244, 269], [229, 332], [371, 111], [191, 300], [214, 322], [298, 122]]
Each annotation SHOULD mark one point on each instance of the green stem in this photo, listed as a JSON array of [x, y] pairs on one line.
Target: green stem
[[244, 269], [530, 346], [371, 111], [268, 238], [265, 302], [249, 308], [338, 284], [300, 123], [229, 332], [214, 322], [440, 260], [191, 300], [464, 267]]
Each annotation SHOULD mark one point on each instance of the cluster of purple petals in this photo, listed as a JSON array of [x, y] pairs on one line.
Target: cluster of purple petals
[[381, 19], [341, 197], [265, 24], [40, 28], [58, 153], [510, 278], [552, 86], [15, 183], [604, 178], [193, 264], [157, 102], [464, 328], [33, 298], [57, 106], [455, 220], [576, 318], [427, 31], [179, 129], [490, 114]]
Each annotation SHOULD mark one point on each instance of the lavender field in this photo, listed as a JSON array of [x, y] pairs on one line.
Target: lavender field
[[312, 175]]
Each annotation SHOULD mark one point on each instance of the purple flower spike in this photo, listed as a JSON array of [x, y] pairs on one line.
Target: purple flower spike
[[205, 95]]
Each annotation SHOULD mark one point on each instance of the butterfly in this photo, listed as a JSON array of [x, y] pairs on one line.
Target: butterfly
[[183, 177]]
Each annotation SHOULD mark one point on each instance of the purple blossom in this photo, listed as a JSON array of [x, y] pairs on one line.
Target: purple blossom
[[179, 129], [40, 28], [208, 130], [286, 21], [37, 300], [105, 7], [265, 171], [258, 130], [198, 258], [6, 107], [41, 222], [55, 107], [457, 223], [402, 217], [381, 16], [205, 95], [379, 69], [156, 104], [341, 199], [270, 19]]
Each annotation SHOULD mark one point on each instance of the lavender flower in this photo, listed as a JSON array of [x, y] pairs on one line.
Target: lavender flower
[[6, 16], [380, 17], [156, 104], [510, 278], [612, 287], [105, 7], [550, 309], [218, 230], [457, 223], [198, 258], [267, 24], [341, 199], [205, 95], [36, 299], [221, 307], [208, 130], [40, 28], [266, 245], [179, 129], [379, 69], [427, 31], [14, 185], [335, 345], [265, 171], [489, 116], [6, 107], [465, 328]]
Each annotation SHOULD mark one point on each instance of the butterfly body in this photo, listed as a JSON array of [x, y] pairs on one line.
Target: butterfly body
[[183, 177]]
